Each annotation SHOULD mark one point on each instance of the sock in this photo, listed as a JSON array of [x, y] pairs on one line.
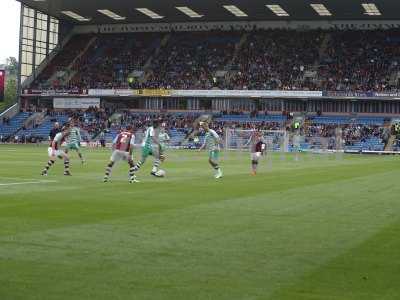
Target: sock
[[49, 164], [108, 171], [66, 166], [137, 166], [254, 164], [131, 171], [156, 164]]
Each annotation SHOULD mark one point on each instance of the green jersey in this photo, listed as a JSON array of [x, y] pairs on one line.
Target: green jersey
[[212, 140], [163, 138], [74, 136], [151, 144], [151, 137]]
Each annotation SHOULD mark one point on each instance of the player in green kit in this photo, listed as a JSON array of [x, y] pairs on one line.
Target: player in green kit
[[74, 141], [212, 142], [151, 146]]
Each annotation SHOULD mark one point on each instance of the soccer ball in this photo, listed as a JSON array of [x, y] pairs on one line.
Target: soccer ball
[[160, 173]]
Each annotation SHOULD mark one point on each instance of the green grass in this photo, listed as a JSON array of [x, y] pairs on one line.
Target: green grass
[[323, 227]]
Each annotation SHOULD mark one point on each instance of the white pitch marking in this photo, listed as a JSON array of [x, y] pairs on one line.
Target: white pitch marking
[[15, 178], [28, 182]]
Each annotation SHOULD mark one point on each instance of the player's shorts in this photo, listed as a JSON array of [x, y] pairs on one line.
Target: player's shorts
[[73, 146], [162, 149], [150, 150], [296, 148], [256, 156], [118, 155], [213, 155], [55, 153]]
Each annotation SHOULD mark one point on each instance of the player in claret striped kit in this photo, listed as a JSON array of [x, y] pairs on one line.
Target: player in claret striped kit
[[257, 149], [55, 151], [122, 150]]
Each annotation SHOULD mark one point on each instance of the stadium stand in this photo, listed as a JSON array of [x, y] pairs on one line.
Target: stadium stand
[[50, 76], [326, 60], [112, 58], [42, 130], [339, 120], [190, 60], [362, 133], [355, 60], [261, 59], [276, 59], [11, 126]]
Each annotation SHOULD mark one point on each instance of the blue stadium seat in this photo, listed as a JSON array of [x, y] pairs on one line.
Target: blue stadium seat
[[15, 124]]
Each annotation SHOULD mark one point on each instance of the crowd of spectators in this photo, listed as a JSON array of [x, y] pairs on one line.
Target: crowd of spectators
[[276, 59], [191, 59], [95, 123], [57, 68], [338, 136], [361, 61], [112, 59], [355, 133], [260, 59], [5, 121]]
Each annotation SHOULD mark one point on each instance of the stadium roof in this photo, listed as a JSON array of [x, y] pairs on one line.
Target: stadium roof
[[145, 11]]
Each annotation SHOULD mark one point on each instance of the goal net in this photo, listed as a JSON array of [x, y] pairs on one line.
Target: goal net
[[286, 141], [238, 139]]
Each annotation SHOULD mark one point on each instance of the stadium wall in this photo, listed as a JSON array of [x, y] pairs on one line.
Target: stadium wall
[[271, 105], [40, 36], [229, 26]]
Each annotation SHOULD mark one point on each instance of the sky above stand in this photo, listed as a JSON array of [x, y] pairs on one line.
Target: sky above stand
[[9, 29]]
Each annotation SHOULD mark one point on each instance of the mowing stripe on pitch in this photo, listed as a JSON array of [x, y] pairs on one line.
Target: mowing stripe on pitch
[[28, 182]]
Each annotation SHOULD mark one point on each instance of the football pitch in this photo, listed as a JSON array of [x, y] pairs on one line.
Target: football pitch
[[323, 227]]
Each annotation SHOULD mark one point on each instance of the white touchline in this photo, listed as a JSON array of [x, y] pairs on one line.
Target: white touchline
[[17, 179], [28, 182]]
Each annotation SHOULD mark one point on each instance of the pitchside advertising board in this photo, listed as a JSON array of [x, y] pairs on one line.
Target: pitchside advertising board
[[80, 103], [2, 84]]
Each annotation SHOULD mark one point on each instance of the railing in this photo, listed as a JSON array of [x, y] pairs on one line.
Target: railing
[[68, 73], [10, 111], [36, 118]]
